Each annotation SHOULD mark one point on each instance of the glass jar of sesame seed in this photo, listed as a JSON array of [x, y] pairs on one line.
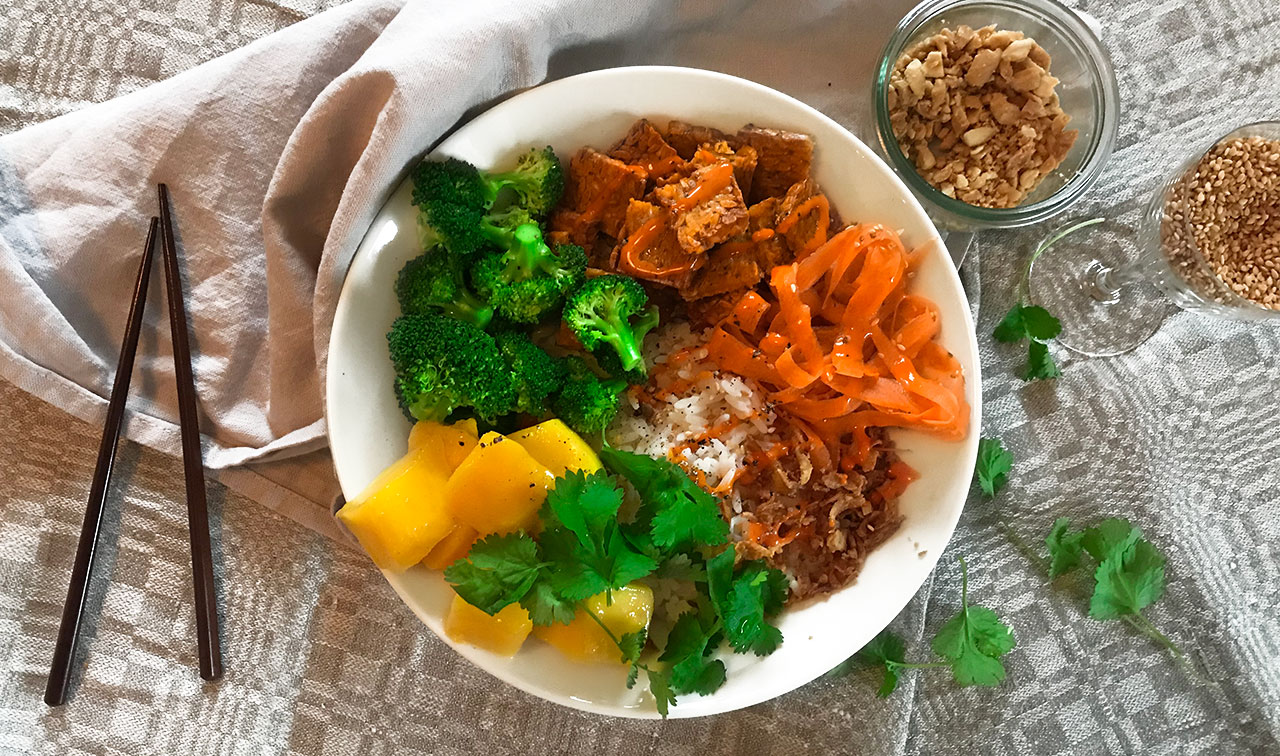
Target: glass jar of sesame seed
[[1209, 241]]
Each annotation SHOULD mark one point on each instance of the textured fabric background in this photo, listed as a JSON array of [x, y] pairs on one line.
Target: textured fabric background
[[322, 658]]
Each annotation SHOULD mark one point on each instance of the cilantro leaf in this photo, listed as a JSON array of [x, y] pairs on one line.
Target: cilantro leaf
[[582, 540], [688, 515], [674, 508], [697, 674], [687, 647], [1064, 548], [1011, 329], [681, 567], [1107, 536], [1129, 580], [686, 637], [498, 571], [749, 602], [633, 674], [973, 641], [585, 504], [1039, 325], [886, 650], [1027, 322], [720, 578], [1040, 364], [631, 645], [660, 687], [545, 606], [994, 464], [624, 564], [744, 601]]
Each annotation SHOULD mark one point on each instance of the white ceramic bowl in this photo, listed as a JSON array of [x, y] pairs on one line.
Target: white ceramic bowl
[[367, 432]]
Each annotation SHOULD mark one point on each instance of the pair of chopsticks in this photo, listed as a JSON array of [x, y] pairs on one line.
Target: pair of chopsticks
[[55, 693]]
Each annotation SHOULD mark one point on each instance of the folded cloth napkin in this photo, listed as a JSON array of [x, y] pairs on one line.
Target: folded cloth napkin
[[278, 156]]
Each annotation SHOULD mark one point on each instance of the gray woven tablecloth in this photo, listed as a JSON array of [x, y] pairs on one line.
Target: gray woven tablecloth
[[322, 658]]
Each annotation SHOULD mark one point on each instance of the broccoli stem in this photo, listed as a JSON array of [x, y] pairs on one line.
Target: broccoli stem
[[470, 308]]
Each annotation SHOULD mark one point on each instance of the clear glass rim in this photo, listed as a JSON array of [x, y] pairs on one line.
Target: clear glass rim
[[1105, 95], [1229, 298]]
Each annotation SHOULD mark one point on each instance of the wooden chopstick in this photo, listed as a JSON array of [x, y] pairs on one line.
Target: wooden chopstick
[[192, 463], [55, 692]]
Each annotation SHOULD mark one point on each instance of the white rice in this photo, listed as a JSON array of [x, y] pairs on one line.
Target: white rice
[[713, 399]]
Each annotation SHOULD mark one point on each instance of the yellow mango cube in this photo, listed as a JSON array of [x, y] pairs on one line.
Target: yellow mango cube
[[557, 448], [451, 442], [498, 488], [452, 547], [401, 515], [584, 640], [502, 633]]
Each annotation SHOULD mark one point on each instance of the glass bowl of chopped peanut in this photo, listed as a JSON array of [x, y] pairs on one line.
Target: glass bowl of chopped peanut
[[997, 113]]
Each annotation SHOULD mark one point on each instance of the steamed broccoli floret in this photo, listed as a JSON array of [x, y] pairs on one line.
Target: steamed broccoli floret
[[443, 363], [527, 255], [455, 200], [601, 312], [536, 375], [587, 404], [523, 299], [538, 180], [434, 281]]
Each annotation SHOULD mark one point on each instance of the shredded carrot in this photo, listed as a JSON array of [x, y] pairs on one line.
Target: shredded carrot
[[842, 346]]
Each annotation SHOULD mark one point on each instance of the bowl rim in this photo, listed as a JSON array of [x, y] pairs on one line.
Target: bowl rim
[[1076, 31], [965, 328]]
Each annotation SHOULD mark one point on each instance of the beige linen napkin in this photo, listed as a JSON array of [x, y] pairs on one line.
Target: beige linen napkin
[[278, 156]]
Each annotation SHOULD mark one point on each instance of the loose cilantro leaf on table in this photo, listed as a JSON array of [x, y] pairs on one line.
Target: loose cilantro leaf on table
[[1034, 323], [970, 644], [1037, 326], [1107, 536], [1128, 578], [886, 651], [497, 572], [1040, 364], [994, 464], [1064, 548], [973, 641]]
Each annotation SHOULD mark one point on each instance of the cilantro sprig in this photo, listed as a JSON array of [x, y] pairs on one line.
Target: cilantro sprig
[[585, 548], [1032, 323], [1128, 575], [970, 644]]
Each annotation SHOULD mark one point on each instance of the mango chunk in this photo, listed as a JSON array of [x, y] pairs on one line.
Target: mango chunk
[[502, 633], [584, 640], [557, 448], [498, 488], [452, 547], [401, 515], [451, 442]]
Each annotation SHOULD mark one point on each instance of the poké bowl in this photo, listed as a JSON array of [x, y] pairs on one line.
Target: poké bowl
[[367, 430]]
